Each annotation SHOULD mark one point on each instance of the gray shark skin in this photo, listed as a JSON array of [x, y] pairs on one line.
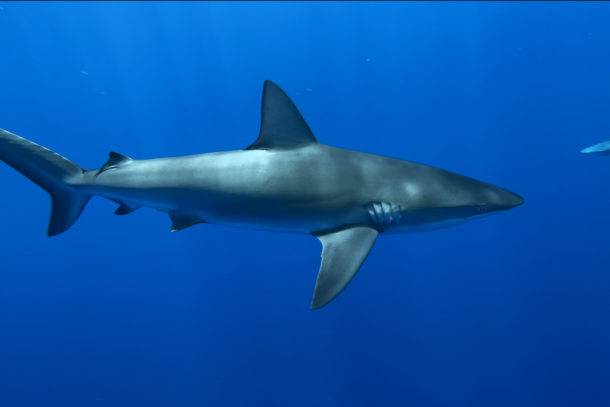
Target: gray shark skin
[[601, 149], [285, 181]]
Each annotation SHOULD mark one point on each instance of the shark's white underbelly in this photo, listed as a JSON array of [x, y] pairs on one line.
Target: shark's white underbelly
[[243, 210]]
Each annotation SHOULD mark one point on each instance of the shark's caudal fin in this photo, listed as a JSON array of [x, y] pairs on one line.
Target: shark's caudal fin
[[50, 171]]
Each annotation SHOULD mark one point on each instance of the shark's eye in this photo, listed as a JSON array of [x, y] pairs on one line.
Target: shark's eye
[[481, 208]]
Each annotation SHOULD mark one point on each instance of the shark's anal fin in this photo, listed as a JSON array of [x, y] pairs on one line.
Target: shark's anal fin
[[125, 208], [343, 252], [114, 160], [282, 126], [182, 221]]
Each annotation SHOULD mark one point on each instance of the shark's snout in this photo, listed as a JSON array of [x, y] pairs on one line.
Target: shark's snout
[[517, 200], [506, 199], [514, 199]]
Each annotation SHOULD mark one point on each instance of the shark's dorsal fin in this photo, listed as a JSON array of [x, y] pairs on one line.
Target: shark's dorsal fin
[[182, 220], [282, 126], [114, 160], [343, 252]]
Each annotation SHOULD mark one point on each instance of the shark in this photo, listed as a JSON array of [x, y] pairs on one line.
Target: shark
[[285, 181]]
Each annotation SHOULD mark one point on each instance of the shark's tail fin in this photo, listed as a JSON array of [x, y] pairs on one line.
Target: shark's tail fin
[[49, 170]]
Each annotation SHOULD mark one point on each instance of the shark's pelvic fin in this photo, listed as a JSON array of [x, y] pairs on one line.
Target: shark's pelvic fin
[[114, 160], [343, 253], [125, 208], [282, 126], [182, 221], [52, 172]]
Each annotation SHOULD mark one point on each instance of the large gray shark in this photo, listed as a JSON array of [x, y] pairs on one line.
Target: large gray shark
[[285, 181]]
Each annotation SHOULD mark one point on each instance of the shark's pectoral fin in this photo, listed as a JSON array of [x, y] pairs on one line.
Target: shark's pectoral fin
[[182, 221], [343, 253], [282, 126]]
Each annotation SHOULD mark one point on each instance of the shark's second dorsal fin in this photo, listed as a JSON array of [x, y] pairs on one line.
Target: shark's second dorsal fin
[[282, 126], [114, 160]]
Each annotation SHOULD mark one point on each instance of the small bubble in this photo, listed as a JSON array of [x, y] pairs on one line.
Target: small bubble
[[368, 60]]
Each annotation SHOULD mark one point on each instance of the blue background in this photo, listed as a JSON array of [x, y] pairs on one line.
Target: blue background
[[513, 310]]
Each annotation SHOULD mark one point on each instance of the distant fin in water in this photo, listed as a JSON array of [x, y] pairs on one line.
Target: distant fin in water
[[601, 148]]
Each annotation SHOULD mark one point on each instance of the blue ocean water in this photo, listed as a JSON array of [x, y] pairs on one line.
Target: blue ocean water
[[512, 310]]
